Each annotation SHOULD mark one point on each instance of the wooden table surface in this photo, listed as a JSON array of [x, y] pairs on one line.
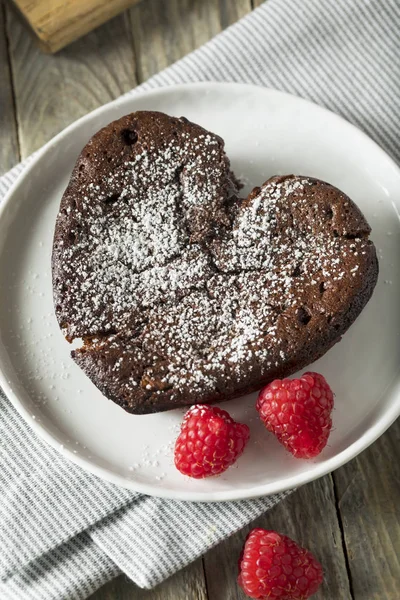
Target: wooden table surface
[[351, 518]]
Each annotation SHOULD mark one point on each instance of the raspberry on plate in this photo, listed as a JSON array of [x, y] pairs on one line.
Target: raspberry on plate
[[272, 566], [210, 441], [298, 412]]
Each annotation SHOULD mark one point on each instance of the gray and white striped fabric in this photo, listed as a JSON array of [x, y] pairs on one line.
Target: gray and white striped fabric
[[63, 532]]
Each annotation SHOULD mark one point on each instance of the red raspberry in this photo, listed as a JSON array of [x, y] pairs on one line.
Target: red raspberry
[[298, 412], [273, 566], [210, 441]]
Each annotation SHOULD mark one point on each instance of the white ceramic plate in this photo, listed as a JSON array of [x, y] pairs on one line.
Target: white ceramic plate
[[266, 133]]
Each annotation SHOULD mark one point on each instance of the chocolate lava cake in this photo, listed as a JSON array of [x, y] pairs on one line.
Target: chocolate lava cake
[[184, 293]]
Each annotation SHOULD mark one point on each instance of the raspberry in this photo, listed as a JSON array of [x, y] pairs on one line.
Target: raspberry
[[298, 412], [210, 441], [272, 566]]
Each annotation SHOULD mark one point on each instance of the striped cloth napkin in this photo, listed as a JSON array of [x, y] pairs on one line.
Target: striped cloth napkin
[[63, 532]]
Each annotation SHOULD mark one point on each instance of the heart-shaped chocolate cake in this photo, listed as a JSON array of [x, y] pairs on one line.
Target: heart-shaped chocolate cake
[[181, 291]]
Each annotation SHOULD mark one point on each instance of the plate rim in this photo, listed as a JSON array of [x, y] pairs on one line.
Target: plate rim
[[289, 483]]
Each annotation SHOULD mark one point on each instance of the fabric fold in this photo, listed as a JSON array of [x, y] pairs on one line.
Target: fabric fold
[[148, 528], [45, 499], [72, 571]]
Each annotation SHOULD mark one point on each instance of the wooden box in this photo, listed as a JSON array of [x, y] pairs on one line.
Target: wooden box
[[57, 23]]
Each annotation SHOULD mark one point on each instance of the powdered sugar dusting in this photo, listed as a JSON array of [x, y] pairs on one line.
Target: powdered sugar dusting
[[181, 313]]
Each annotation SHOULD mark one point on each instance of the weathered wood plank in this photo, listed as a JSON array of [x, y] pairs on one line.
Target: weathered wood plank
[[230, 12], [368, 492], [53, 91], [309, 517], [9, 153], [163, 32], [188, 584]]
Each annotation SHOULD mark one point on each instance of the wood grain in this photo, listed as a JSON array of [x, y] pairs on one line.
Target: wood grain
[[9, 153], [163, 32], [53, 91], [368, 492], [58, 23], [309, 517], [188, 584]]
